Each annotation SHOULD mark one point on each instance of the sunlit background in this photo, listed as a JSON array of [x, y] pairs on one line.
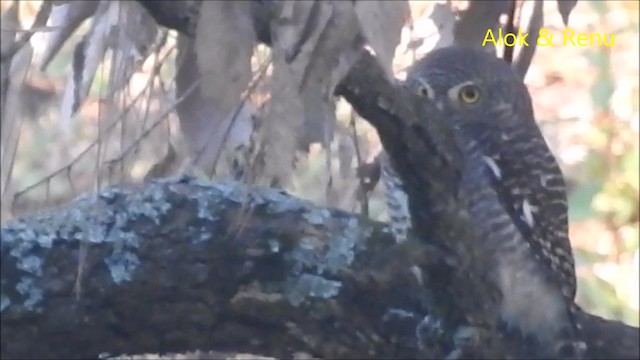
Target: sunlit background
[[585, 98]]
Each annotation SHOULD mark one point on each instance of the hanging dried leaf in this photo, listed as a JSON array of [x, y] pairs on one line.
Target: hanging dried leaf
[[65, 19], [121, 25], [283, 117], [10, 22], [525, 56], [337, 37], [10, 124], [330, 58], [329, 55], [132, 41], [381, 23], [13, 93], [301, 109], [565, 7], [87, 56], [224, 45], [481, 16]]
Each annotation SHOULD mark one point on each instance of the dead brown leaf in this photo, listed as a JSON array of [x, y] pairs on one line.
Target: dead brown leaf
[[65, 18], [87, 56]]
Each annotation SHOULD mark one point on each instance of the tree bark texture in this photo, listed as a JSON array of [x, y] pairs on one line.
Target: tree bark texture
[[181, 265]]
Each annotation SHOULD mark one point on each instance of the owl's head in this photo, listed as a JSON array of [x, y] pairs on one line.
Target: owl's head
[[470, 87]]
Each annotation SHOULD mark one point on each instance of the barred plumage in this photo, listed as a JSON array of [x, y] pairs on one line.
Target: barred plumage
[[490, 108]]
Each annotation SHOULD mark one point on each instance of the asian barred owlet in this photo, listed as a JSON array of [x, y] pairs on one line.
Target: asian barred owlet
[[489, 106]]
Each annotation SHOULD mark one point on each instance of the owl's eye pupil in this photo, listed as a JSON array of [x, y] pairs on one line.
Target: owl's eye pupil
[[469, 94]]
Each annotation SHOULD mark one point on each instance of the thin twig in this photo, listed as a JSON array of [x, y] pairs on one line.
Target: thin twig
[[34, 29], [158, 61], [155, 123], [107, 129]]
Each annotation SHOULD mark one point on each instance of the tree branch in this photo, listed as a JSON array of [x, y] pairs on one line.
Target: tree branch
[[181, 265]]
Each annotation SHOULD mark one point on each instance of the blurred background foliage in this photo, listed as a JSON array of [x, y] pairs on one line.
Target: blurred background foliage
[[586, 100]]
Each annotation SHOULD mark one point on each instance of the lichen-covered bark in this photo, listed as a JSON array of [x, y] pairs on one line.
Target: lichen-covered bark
[[181, 265]]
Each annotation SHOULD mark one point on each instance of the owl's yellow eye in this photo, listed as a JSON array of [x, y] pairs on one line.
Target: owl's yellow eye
[[469, 94]]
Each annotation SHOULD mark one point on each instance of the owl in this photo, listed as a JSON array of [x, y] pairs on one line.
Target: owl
[[489, 108]]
